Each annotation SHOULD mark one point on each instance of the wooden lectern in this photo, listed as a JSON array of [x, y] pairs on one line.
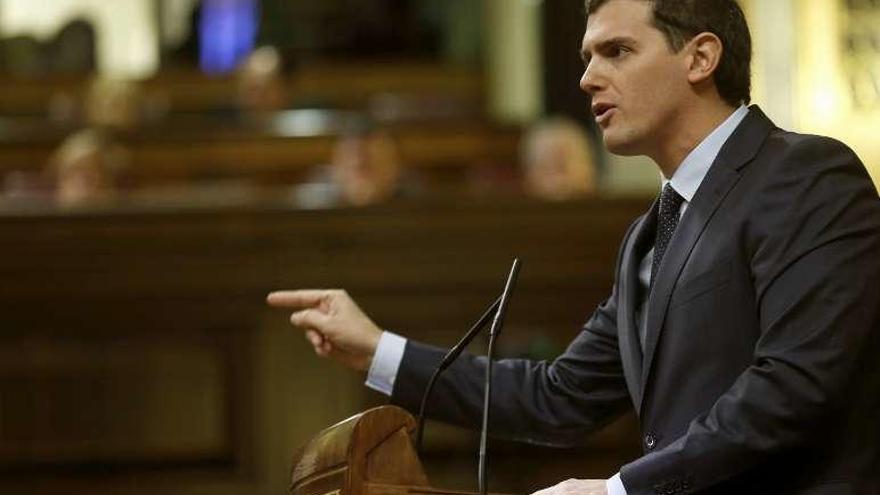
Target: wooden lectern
[[367, 454]]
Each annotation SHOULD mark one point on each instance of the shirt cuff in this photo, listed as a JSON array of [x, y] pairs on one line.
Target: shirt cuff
[[614, 485], [386, 361]]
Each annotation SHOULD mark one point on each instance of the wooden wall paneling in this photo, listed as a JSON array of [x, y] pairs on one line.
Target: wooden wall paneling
[[348, 85]]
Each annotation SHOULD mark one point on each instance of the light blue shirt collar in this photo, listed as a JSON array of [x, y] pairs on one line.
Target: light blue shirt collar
[[690, 174]]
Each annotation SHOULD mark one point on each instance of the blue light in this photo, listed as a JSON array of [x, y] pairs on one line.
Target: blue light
[[227, 33]]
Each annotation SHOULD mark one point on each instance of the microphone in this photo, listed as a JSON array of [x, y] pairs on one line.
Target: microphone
[[497, 323], [448, 359], [497, 310]]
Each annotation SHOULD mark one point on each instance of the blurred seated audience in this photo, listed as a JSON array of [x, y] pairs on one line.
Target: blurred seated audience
[[113, 104], [86, 168], [365, 169], [557, 161], [107, 103], [259, 83]]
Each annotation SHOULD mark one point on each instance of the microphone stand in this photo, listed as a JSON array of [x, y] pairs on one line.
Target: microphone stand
[[448, 359], [497, 323], [497, 309]]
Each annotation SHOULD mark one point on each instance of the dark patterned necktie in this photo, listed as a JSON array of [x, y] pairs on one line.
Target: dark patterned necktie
[[667, 219]]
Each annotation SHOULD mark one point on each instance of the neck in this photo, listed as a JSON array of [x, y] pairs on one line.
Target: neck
[[689, 130]]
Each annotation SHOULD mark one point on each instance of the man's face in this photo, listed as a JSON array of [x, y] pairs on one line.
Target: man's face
[[637, 83]]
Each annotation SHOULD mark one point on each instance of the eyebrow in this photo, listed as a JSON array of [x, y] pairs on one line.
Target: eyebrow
[[605, 44]]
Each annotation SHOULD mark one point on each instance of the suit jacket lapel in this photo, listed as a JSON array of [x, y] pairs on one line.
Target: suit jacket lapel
[[630, 296], [739, 150]]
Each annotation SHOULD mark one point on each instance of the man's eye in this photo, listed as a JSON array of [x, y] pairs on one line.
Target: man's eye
[[616, 51]]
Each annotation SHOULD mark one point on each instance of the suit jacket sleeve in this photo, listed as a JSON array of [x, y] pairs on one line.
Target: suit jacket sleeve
[[550, 403], [813, 240]]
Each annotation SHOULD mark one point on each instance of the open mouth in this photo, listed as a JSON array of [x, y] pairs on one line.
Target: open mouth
[[602, 111]]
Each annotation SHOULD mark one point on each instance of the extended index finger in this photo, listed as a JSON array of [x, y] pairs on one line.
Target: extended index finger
[[305, 298]]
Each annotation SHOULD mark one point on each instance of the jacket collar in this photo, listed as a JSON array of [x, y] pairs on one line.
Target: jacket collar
[[693, 169]]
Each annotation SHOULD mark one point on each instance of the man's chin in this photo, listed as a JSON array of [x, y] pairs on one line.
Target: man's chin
[[619, 145]]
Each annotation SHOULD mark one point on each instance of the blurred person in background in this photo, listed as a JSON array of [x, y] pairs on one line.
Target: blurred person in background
[[557, 161], [86, 168], [107, 103], [260, 86], [365, 169], [114, 104]]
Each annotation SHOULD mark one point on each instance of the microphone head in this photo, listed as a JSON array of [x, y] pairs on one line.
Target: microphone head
[[505, 297]]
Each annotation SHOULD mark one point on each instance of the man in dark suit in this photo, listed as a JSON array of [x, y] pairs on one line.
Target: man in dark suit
[[744, 323]]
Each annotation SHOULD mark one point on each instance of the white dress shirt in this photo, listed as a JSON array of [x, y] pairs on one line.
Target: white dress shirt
[[686, 180]]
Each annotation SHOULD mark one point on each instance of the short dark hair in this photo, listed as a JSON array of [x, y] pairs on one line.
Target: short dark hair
[[681, 20]]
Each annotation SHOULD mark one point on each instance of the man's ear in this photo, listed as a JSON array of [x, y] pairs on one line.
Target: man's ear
[[706, 50]]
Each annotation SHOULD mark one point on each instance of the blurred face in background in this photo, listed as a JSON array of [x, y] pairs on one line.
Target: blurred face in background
[[113, 104], [260, 85], [82, 180], [557, 162], [84, 169], [366, 167]]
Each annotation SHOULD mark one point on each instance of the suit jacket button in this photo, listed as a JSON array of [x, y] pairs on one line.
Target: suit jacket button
[[650, 441]]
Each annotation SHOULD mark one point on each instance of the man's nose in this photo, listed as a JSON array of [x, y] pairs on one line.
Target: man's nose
[[589, 82]]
